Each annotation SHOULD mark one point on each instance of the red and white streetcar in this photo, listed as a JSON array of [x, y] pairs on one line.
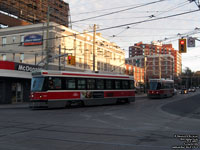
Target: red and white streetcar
[[53, 89], [160, 88]]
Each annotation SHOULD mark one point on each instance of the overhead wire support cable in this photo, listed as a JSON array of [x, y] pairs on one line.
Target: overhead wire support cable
[[170, 16], [118, 11]]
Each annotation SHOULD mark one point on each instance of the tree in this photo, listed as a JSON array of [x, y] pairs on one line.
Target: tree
[[187, 77]]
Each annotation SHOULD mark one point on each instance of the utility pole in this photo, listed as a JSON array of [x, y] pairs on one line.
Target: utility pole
[[75, 48], [94, 45], [47, 44], [160, 66], [145, 73]]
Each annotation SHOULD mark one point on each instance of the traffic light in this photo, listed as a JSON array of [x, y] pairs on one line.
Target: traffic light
[[182, 46], [71, 60]]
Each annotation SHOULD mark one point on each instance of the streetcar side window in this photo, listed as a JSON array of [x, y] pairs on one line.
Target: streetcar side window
[[91, 84], [131, 83], [81, 84], [109, 84], [55, 83], [100, 84], [125, 84], [70, 83], [117, 84]]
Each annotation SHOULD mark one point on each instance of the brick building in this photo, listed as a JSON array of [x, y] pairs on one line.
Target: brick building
[[170, 59], [136, 72]]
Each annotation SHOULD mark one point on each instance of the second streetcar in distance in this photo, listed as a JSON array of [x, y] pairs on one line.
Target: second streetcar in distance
[[160, 88]]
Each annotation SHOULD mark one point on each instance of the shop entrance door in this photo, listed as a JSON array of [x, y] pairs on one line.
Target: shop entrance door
[[17, 92]]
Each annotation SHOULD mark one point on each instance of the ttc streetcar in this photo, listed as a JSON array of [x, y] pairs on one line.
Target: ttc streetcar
[[55, 89], [160, 88]]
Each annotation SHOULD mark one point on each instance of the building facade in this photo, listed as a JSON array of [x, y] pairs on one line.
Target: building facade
[[136, 72], [32, 44], [156, 65], [15, 82], [156, 50], [24, 12]]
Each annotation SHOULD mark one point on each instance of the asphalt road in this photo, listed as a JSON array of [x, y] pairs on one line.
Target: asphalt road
[[147, 124]]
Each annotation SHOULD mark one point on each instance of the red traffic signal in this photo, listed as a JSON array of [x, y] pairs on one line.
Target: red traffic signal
[[182, 46], [182, 42]]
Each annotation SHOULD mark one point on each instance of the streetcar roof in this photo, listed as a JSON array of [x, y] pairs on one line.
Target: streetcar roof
[[78, 74]]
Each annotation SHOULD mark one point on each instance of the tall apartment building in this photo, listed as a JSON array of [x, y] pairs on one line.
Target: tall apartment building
[[156, 50]]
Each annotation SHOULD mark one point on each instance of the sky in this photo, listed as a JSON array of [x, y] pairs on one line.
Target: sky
[[127, 35]]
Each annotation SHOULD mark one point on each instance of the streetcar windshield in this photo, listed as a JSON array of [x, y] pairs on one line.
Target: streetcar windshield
[[155, 85], [37, 84]]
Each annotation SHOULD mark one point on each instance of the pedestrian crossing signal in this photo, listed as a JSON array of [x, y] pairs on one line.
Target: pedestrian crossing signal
[[182, 46]]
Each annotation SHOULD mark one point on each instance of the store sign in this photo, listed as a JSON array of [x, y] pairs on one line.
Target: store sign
[[26, 68], [33, 39]]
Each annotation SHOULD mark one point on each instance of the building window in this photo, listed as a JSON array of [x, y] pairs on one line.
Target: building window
[[3, 41], [14, 39], [21, 39], [21, 57], [4, 57]]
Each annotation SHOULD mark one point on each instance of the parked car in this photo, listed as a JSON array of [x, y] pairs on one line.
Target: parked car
[[184, 91], [193, 89]]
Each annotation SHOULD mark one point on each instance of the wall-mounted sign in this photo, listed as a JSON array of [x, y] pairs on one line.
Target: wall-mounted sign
[[26, 67], [33, 39]]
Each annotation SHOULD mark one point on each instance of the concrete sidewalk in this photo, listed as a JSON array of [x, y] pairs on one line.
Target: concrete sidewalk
[[15, 105]]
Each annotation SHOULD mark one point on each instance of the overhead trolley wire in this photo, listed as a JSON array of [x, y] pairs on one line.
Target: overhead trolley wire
[[111, 13]]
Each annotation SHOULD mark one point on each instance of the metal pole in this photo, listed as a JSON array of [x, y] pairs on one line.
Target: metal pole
[[160, 66], [64, 58], [75, 48], [59, 58], [145, 74], [47, 36], [94, 44], [35, 58]]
